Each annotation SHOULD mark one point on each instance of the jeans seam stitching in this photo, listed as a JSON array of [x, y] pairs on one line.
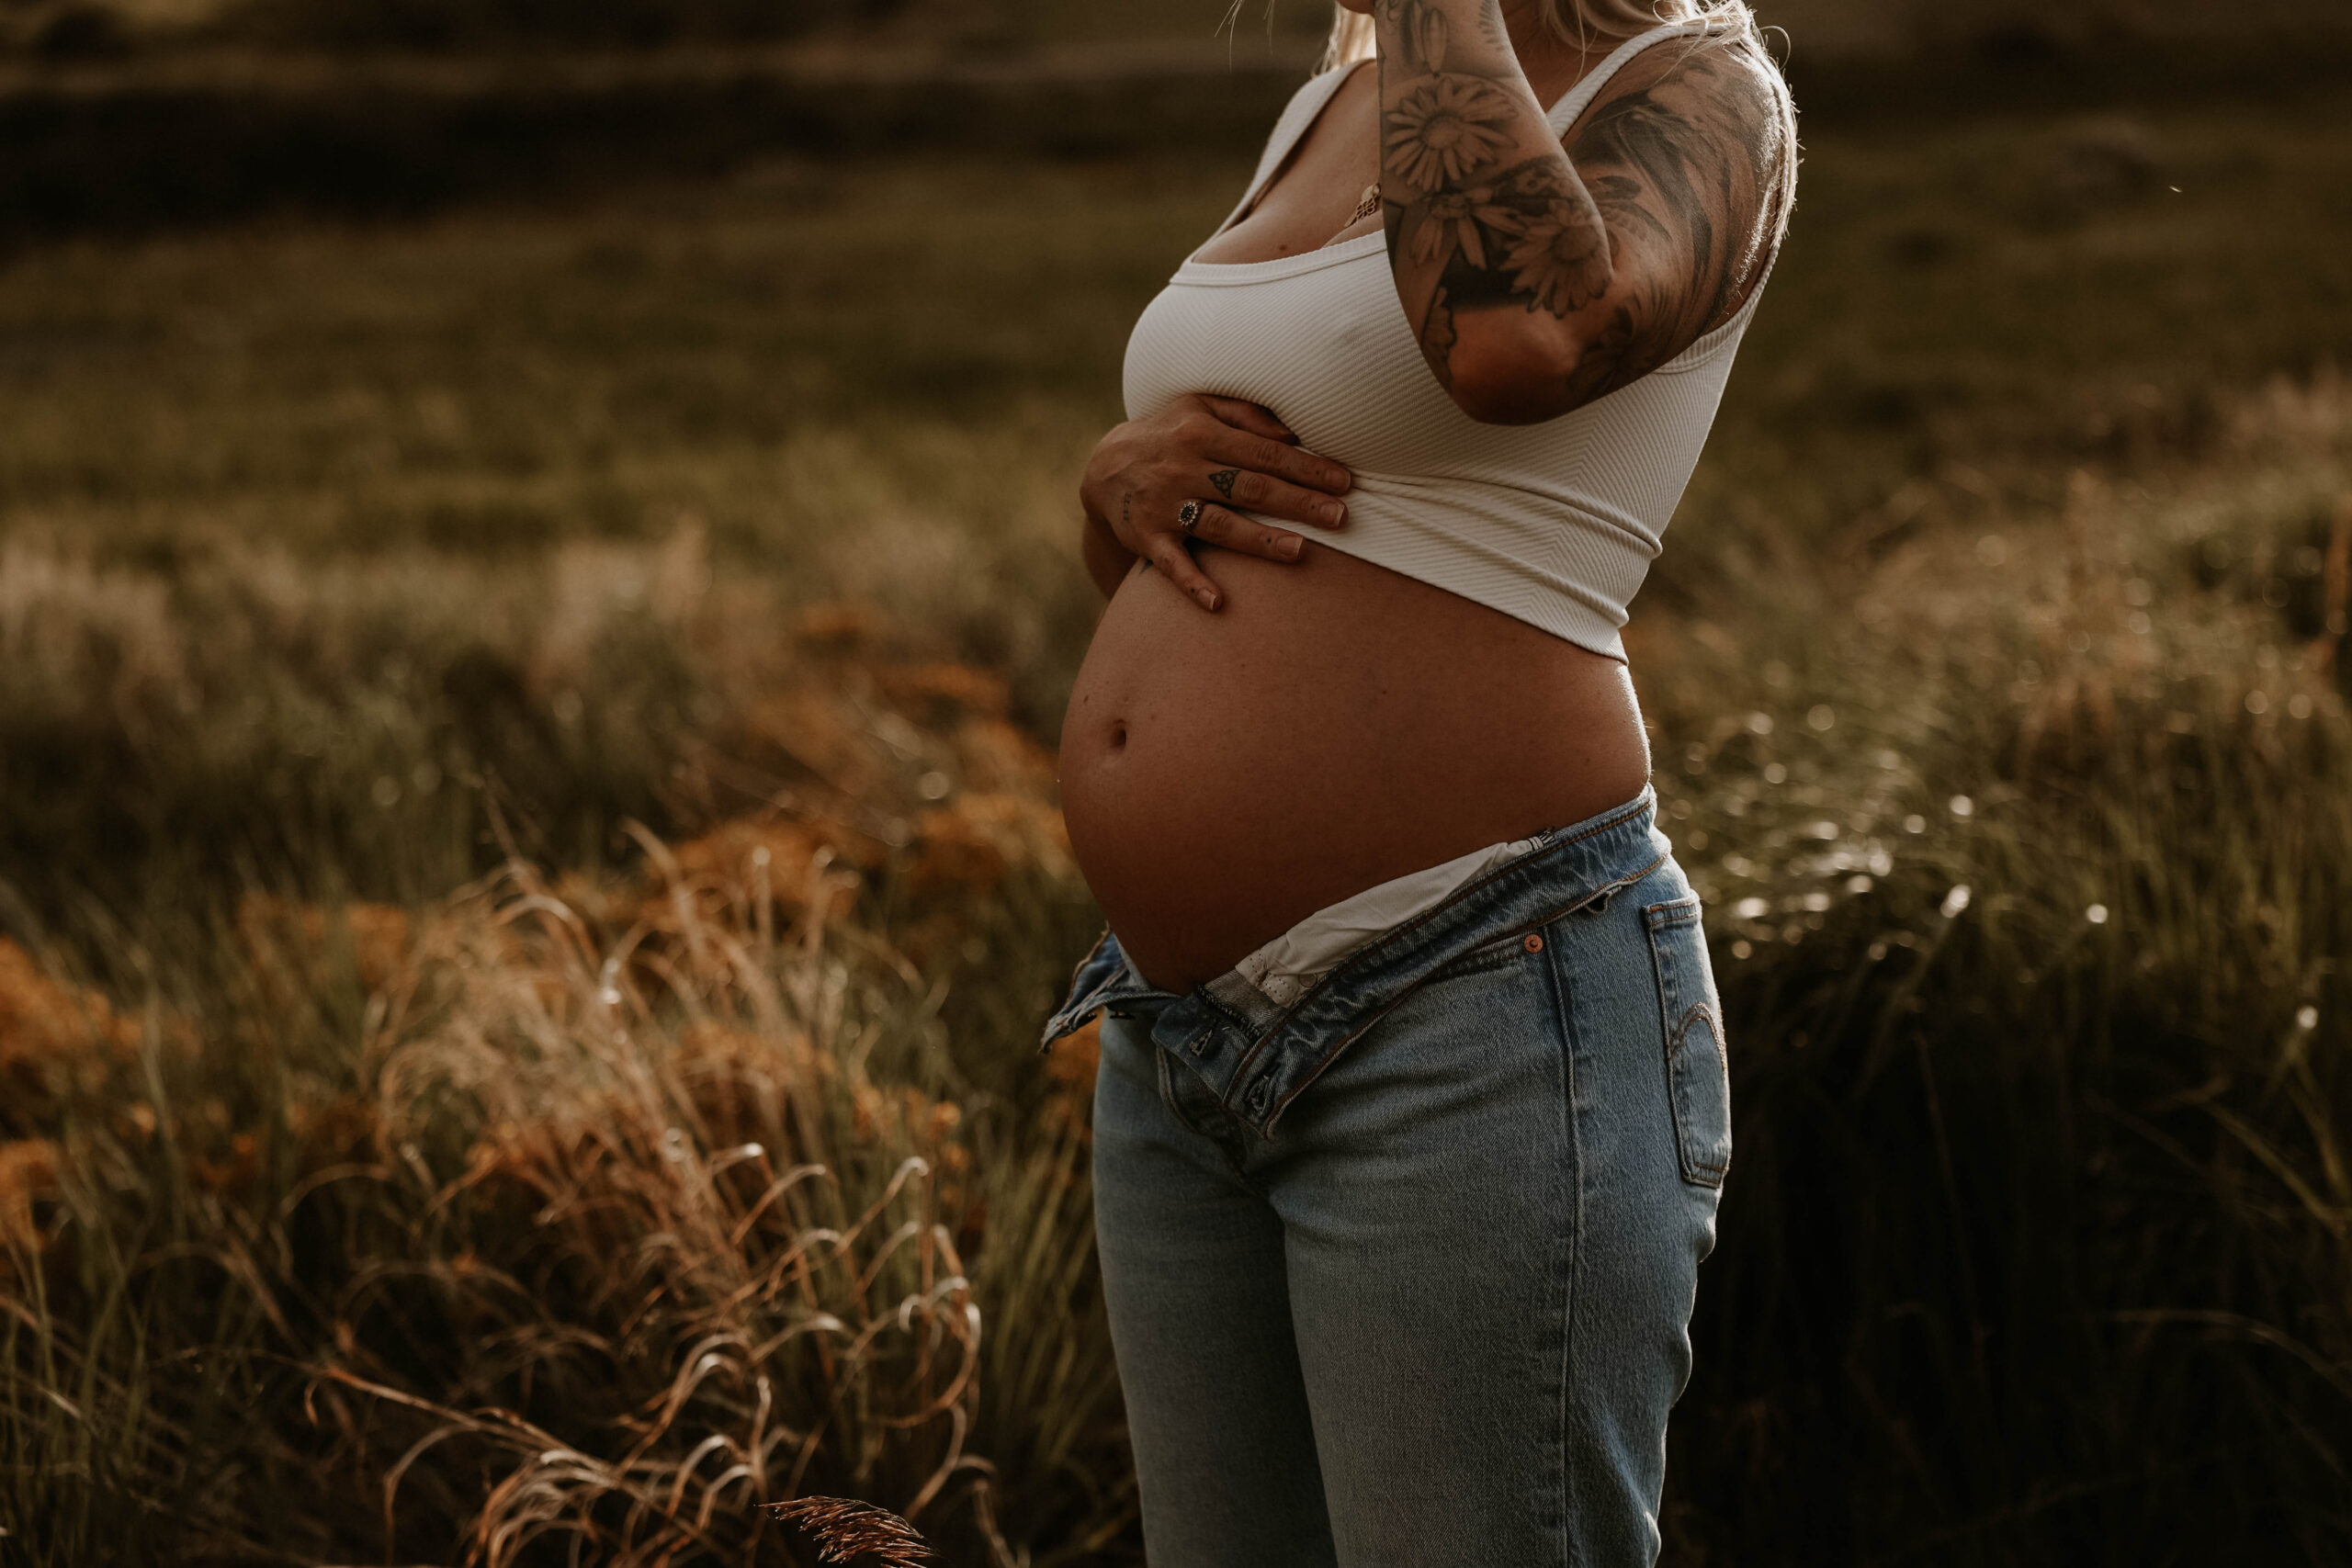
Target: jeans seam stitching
[[1500, 953], [1173, 1103], [1694, 1171], [1563, 1009], [1677, 1047], [1650, 913]]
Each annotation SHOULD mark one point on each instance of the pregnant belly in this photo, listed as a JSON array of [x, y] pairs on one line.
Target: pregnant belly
[[1334, 726]]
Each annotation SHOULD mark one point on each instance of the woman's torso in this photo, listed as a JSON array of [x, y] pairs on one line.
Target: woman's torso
[[1338, 723]]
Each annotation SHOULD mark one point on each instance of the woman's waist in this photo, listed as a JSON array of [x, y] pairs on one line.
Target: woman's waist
[[1561, 869], [1361, 608], [1337, 662]]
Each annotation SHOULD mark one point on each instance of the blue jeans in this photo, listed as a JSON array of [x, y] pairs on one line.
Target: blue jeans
[[1403, 1274]]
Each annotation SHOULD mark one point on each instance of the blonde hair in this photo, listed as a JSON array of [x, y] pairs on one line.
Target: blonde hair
[[1580, 22]]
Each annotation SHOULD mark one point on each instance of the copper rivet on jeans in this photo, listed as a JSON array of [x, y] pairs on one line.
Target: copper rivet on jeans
[[1534, 943]]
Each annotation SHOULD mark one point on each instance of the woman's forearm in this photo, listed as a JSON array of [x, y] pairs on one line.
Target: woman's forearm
[[1485, 213]]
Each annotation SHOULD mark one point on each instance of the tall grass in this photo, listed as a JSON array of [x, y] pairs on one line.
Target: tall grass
[[529, 883], [589, 1213], [2042, 1250]]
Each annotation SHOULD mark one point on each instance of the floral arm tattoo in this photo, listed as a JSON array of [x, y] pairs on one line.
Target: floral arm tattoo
[[1648, 229]]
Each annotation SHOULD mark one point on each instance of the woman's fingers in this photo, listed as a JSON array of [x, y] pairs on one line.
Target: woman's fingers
[[1252, 454], [1253, 417], [1167, 550], [1250, 490], [1168, 554], [1232, 531]]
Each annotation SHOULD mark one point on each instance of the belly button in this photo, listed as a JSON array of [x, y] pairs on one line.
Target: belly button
[[1119, 737]]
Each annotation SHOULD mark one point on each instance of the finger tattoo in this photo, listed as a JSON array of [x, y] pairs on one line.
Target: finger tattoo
[[1223, 479]]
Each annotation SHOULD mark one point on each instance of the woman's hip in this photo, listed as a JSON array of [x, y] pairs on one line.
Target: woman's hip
[[1549, 1034]]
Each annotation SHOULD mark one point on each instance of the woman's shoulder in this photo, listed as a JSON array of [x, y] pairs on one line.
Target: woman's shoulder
[[1709, 86], [1692, 140], [1307, 103]]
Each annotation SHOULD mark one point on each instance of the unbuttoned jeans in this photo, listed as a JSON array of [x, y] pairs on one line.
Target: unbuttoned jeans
[[1403, 1274]]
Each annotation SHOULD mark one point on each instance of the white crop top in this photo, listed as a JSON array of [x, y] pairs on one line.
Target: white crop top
[[1555, 524]]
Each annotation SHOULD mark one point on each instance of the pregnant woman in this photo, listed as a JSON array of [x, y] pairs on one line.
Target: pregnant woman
[[1413, 1112]]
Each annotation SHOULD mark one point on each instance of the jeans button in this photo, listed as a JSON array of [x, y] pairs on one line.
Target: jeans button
[[1199, 1042], [1258, 1094]]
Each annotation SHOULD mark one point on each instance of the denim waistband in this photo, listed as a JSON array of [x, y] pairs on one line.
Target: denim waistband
[[1257, 1057]]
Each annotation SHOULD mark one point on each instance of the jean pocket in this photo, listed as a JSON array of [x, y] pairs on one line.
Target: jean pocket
[[1698, 1076], [1497, 954]]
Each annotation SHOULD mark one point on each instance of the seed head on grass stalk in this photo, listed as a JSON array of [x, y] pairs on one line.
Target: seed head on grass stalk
[[709, 1199], [847, 1531]]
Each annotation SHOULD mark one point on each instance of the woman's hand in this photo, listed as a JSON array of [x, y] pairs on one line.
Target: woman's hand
[[1213, 451]]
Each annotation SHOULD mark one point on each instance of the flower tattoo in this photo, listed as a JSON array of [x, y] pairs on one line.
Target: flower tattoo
[[1561, 261], [1445, 130], [1455, 220]]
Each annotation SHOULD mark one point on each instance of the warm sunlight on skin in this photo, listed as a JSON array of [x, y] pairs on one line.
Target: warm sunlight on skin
[[531, 851], [1538, 276], [1407, 721]]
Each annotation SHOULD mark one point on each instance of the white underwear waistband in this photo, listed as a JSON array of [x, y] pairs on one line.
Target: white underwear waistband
[[1286, 967]]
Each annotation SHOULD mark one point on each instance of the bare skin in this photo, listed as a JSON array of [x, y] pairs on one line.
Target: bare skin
[[1326, 723], [1541, 274]]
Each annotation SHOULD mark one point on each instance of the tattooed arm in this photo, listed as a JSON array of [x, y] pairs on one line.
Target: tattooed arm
[[1540, 277]]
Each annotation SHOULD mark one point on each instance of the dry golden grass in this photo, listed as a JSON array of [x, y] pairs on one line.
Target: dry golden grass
[[27, 1177], [536, 872], [713, 1091], [57, 1041]]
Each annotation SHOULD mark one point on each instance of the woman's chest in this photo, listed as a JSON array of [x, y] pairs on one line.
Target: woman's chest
[[1317, 191], [1319, 339]]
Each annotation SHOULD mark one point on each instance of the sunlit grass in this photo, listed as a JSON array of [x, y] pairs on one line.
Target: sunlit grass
[[530, 870]]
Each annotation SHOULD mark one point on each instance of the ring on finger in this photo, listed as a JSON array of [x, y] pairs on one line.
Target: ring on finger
[[1188, 516]]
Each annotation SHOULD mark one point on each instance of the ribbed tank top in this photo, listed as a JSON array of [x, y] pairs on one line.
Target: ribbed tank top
[[1555, 524]]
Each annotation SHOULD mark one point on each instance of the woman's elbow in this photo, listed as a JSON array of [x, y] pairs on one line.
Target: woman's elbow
[[1516, 377], [1511, 401]]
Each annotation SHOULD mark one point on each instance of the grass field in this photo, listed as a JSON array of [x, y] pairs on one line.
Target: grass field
[[529, 870]]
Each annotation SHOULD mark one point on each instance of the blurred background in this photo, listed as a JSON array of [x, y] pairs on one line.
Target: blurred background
[[537, 591]]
